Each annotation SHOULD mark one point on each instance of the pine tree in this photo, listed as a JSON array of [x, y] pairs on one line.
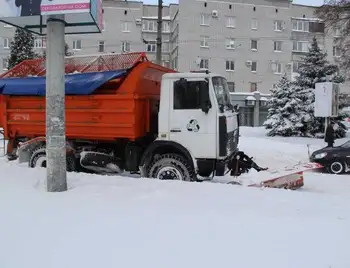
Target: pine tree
[[283, 118], [22, 47], [313, 69]]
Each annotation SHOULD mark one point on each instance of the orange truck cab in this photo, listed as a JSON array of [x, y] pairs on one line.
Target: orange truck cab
[[143, 118]]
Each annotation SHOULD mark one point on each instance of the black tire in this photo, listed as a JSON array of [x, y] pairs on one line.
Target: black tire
[[171, 167], [336, 167], [38, 159]]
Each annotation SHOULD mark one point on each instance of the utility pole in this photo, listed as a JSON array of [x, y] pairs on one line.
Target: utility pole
[[56, 179], [159, 32]]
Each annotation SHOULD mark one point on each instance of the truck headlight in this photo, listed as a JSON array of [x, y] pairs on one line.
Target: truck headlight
[[321, 155]]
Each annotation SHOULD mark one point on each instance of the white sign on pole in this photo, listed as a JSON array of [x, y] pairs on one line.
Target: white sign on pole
[[24, 8], [326, 99]]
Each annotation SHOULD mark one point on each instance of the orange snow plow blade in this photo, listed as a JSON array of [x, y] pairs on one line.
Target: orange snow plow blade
[[289, 178]]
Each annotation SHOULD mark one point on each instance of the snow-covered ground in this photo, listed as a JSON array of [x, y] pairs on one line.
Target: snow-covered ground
[[127, 222]]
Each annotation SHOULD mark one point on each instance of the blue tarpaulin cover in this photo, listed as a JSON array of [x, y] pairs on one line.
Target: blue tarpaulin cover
[[76, 84]]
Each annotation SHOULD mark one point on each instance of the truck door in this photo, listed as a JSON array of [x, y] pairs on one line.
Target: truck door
[[188, 124]]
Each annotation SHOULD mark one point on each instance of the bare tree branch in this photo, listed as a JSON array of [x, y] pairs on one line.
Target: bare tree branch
[[336, 16]]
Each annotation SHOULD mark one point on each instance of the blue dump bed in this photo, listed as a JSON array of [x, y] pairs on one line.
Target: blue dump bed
[[75, 84]]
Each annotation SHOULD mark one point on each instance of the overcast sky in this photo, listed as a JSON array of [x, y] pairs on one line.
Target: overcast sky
[[304, 2]]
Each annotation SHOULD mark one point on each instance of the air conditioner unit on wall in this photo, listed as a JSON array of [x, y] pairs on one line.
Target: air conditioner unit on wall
[[289, 65], [214, 13], [138, 21], [248, 63]]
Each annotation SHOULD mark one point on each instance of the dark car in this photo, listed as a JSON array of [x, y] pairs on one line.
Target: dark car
[[336, 159]]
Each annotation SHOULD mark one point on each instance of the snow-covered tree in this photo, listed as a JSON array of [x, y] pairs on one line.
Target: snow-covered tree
[[313, 69], [283, 117], [22, 48]]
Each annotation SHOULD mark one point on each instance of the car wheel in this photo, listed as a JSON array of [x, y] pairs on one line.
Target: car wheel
[[336, 167]]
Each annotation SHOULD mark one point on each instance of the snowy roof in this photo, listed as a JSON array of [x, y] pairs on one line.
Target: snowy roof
[[155, 18], [248, 94], [263, 99], [307, 19], [251, 98]]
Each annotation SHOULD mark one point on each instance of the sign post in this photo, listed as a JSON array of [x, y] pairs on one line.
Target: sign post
[[56, 175], [326, 101]]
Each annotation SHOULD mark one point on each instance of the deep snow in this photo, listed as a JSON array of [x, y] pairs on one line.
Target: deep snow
[[127, 222]]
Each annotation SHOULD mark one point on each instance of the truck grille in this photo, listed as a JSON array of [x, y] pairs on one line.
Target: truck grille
[[227, 141], [231, 145]]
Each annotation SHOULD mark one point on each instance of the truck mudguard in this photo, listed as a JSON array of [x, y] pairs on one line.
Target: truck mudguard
[[160, 146]]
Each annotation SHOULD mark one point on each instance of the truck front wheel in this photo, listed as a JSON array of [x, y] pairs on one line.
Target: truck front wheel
[[171, 167]]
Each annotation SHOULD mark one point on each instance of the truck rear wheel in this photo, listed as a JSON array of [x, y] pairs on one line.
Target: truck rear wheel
[[38, 159], [171, 167]]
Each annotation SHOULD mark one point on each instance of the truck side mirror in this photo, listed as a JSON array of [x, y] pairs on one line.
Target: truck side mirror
[[205, 103]]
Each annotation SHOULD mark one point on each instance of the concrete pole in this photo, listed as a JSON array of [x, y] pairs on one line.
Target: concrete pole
[[56, 176], [159, 32], [257, 97]]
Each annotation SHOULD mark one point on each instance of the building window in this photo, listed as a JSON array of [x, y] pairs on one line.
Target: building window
[[254, 24], [149, 26], [104, 24], [254, 44], [296, 66], [230, 65], [231, 22], [166, 27], [76, 44], [204, 64], [151, 46], [277, 68], [204, 41], [174, 64], [5, 64], [187, 97], [40, 43], [231, 86], [126, 46], [7, 42], [253, 86], [254, 66], [300, 25], [301, 46], [204, 19], [278, 25], [101, 46], [336, 51], [277, 46], [126, 26], [230, 43]]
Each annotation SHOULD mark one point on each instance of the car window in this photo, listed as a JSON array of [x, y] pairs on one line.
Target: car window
[[346, 145]]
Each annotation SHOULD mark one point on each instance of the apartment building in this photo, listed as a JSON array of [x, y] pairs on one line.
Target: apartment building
[[129, 26], [251, 42]]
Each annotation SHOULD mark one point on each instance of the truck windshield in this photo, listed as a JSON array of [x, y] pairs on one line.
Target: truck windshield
[[222, 93]]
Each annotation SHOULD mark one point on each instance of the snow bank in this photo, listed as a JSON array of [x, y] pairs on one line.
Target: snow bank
[[113, 221]]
